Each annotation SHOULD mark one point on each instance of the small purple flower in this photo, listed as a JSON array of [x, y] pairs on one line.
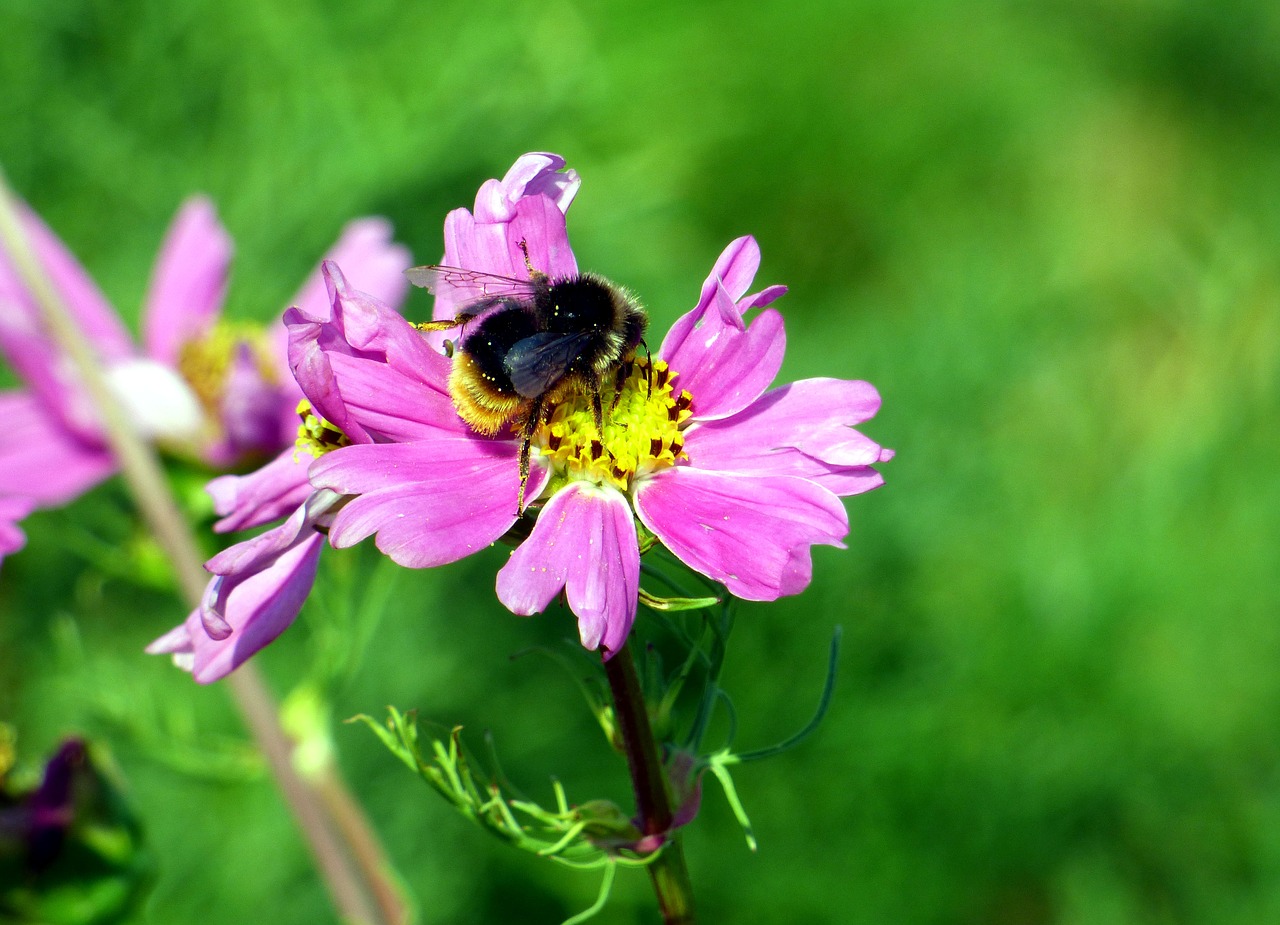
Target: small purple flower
[[38, 821], [221, 392]]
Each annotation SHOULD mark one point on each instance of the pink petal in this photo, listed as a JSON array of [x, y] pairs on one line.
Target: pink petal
[[585, 542], [734, 270], [751, 534], [540, 225], [429, 503], [723, 368], [396, 407], [345, 326], [254, 554], [256, 608], [40, 459], [392, 377], [189, 282], [531, 175], [494, 247], [801, 429], [31, 349], [276, 489]]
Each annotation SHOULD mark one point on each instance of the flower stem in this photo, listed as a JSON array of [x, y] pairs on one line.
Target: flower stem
[[668, 873], [343, 846]]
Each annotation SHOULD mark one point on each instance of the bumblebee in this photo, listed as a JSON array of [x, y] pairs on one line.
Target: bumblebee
[[528, 344]]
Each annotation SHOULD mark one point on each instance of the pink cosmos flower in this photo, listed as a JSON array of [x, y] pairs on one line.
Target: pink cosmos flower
[[220, 392], [738, 482]]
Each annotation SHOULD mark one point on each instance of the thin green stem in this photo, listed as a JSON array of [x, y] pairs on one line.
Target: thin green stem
[[668, 872], [342, 843]]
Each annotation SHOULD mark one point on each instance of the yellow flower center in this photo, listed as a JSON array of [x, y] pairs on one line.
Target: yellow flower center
[[205, 363], [642, 424], [316, 435]]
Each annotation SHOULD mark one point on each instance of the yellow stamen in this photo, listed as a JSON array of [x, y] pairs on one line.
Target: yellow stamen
[[206, 363], [641, 432], [316, 435]]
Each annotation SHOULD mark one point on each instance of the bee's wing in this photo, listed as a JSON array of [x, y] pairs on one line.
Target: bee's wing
[[468, 285], [540, 361]]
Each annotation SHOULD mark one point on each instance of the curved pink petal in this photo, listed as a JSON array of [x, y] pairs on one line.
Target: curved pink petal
[[723, 368], [725, 291], [40, 459], [430, 502], [540, 226], [533, 174], [734, 270], [349, 320], [483, 241], [394, 406], [271, 492], [189, 282], [751, 534], [256, 610], [254, 554], [802, 429], [584, 541], [494, 247], [381, 356], [32, 351]]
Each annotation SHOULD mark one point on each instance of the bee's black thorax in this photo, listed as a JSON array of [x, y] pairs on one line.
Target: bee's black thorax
[[587, 304]]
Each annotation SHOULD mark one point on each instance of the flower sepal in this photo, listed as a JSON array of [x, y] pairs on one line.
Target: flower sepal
[[675, 604]]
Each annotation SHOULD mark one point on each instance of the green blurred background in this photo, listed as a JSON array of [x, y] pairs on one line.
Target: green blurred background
[[1047, 232]]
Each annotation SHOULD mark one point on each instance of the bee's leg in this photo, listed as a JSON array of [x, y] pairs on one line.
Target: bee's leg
[[597, 408], [444, 325], [619, 378], [528, 264], [531, 423], [648, 367]]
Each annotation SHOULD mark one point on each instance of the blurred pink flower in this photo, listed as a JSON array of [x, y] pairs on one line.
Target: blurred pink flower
[[217, 391]]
